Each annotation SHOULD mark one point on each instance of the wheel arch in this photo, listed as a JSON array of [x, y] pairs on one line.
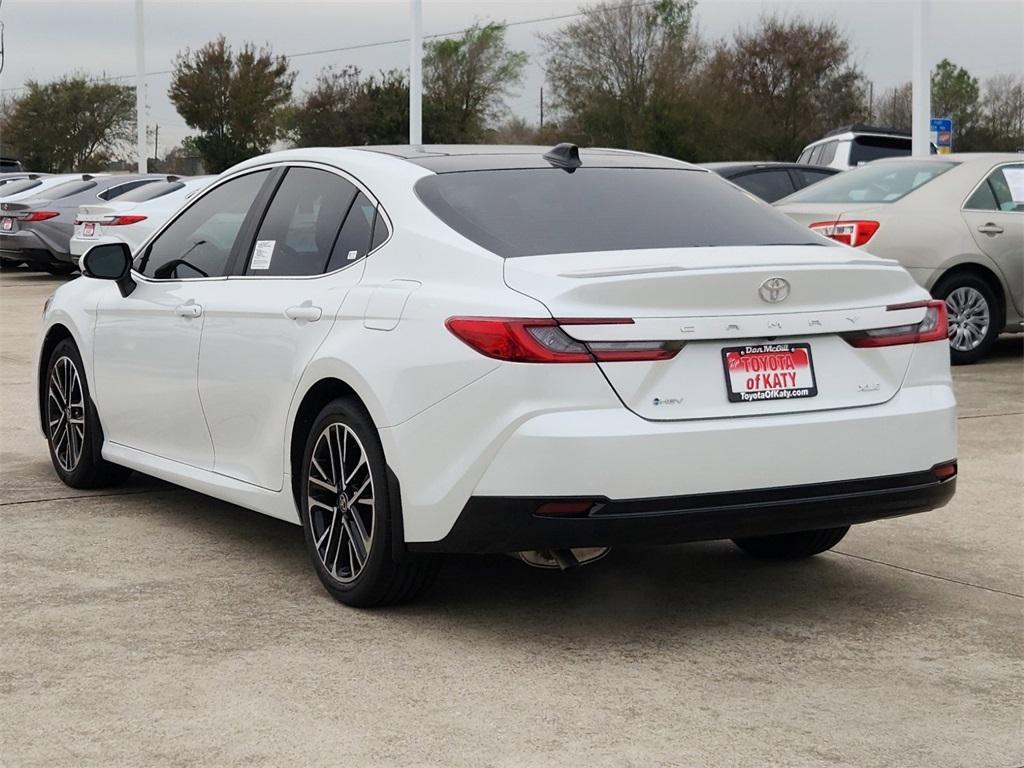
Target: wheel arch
[[983, 272], [54, 336]]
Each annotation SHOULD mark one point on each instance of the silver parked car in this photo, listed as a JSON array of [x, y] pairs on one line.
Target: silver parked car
[[956, 222]]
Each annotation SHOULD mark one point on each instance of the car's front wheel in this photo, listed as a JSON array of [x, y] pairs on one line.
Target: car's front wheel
[[973, 316], [348, 515], [792, 546], [73, 428]]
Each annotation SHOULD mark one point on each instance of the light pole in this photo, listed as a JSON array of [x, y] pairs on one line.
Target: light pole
[[140, 89], [416, 75], [921, 105]]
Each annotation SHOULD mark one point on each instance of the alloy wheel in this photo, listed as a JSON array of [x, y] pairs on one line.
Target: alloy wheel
[[969, 318], [65, 413], [340, 502]]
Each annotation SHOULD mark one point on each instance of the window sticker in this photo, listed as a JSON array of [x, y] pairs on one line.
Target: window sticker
[[352, 255], [1015, 181], [262, 254]]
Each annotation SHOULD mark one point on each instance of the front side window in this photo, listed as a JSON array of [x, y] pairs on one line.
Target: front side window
[[527, 212], [768, 185], [198, 243], [301, 224], [875, 183]]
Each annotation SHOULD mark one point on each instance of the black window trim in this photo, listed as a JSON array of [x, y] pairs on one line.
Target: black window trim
[[237, 259], [985, 180]]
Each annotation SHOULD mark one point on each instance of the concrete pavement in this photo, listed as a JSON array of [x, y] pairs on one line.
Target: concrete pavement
[[151, 626]]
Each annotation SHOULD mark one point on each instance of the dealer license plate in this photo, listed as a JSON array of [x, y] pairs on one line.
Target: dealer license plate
[[89, 229], [769, 372], [7, 225]]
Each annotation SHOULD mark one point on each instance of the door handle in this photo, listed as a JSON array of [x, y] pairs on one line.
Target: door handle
[[990, 229], [188, 310], [304, 312]]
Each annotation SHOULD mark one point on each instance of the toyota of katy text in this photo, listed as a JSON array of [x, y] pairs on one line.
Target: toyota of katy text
[[412, 351]]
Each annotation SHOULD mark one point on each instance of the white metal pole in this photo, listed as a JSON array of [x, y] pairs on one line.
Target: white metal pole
[[140, 88], [921, 108], [416, 75]]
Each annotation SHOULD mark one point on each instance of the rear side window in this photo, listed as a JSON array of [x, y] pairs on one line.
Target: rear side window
[[768, 185], [301, 224], [816, 154], [199, 242], [354, 240], [828, 153], [529, 212], [150, 191], [380, 232], [876, 183], [868, 148], [1007, 185], [21, 185], [804, 156], [69, 188]]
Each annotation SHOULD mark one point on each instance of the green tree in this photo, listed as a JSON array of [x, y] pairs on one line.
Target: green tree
[[345, 109], [236, 101], [622, 75], [955, 94], [466, 81], [1002, 122], [777, 87], [70, 124]]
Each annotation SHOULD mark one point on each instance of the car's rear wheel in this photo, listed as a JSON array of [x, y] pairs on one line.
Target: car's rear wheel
[[73, 429], [974, 316], [792, 546], [348, 514]]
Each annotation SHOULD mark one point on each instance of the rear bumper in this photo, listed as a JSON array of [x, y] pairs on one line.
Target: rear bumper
[[509, 524], [27, 246]]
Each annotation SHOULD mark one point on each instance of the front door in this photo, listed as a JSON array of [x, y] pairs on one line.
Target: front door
[[147, 344], [266, 324]]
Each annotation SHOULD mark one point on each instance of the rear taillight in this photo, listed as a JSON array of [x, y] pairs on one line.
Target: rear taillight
[[114, 221], [542, 340], [853, 233], [932, 328], [39, 215]]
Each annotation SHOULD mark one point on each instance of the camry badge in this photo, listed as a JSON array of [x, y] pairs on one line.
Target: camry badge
[[774, 289]]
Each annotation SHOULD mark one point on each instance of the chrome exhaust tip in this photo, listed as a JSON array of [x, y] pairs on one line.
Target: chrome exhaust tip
[[562, 559]]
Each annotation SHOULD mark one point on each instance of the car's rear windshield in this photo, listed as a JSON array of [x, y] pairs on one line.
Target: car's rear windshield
[[67, 189], [876, 183], [150, 191], [547, 210], [20, 185]]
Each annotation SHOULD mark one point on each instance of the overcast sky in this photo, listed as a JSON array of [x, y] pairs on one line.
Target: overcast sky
[[45, 39]]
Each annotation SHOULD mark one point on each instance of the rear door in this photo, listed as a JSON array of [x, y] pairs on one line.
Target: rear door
[[260, 333], [995, 215]]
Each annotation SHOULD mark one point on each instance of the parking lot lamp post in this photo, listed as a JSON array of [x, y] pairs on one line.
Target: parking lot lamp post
[[416, 75], [140, 93], [921, 105]]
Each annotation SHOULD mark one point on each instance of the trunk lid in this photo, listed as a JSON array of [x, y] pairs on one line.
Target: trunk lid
[[711, 298]]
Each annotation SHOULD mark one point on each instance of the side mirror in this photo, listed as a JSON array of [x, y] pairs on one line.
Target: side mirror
[[110, 261]]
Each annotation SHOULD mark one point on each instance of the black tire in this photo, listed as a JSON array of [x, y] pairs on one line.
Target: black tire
[[60, 269], [945, 289], [75, 452], [330, 510], [792, 546], [6, 264]]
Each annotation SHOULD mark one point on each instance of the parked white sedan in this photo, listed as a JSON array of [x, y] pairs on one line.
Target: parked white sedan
[[132, 217], [419, 350], [956, 222]]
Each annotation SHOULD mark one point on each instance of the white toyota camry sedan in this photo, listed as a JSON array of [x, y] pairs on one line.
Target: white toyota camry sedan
[[411, 351]]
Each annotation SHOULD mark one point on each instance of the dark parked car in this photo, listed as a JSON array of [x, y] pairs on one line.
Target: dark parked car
[[37, 230], [10, 165], [771, 181]]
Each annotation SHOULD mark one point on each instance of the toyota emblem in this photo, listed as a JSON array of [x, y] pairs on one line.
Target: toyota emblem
[[774, 289]]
